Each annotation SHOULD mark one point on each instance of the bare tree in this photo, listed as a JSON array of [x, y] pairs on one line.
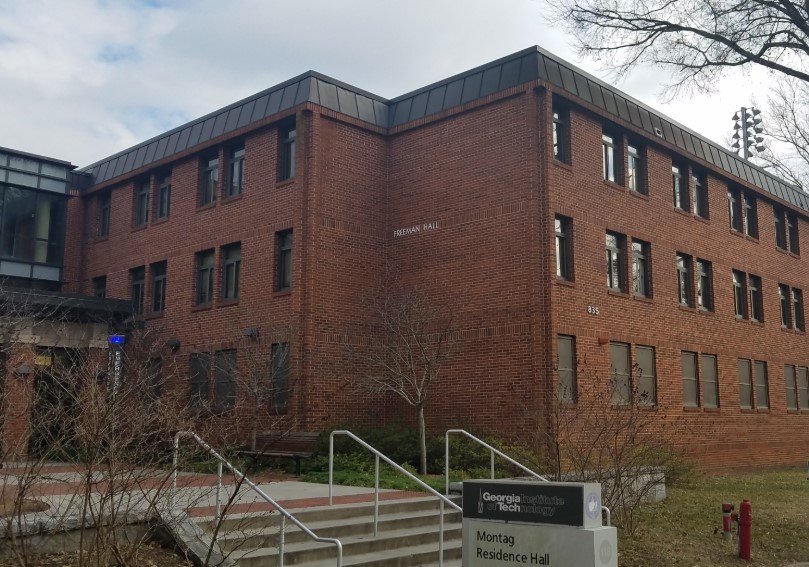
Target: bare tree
[[788, 124], [412, 336]]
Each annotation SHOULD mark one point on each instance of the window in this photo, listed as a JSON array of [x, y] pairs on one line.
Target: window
[[634, 170], [682, 199], [756, 300], [690, 379], [137, 281], [33, 227], [104, 202], [786, 230], [199, 368], [762, 395], [141, 203], [564, 265], [209, 180], [641, 282], [100, 287], [224, 380], [205, 270], [699, 203], [286, 152], [566, 368], [684, 280], [750, 215], [283, 267], [158, 271], [608, 157], [163, 196], [231, 266], [154, 378], [620, 373], [647, 382], [740, 294], [745, 384], [735, 209], [236, 177], [280, 377], [797, 304], [791, 387], [704, 285], [561, 134], [615, 261], [786, 308], [709, 381], [803, 388]]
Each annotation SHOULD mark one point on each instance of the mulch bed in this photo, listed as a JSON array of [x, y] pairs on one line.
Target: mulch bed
[[149, 555]]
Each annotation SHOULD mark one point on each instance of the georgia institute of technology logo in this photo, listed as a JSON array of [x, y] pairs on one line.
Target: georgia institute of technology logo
[[605, 552], [592, 505]]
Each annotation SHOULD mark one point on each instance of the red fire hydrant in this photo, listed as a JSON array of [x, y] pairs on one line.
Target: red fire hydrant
[[745, 529], [727, 508]]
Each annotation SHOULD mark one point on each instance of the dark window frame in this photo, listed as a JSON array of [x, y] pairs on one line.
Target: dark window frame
[[100, 287], [142, 193], [615, 258], [785, 300], [747, 402], [287, 145], [281, 364], [567, 387], [798, 321], [609, 156], [740, 296], [231, 271], [205, 266], [561, 134], [641, 268], [159, 276], [209, 180], [163, 196], [104, 211], [137, 287], [225, 380], [564, 247], [735, 214], [760, 372], [704, 277], [284, 241], [684, 265], [756, 298], [680, 189], [635, 177], [700, 205], [646, 379], [621, 379], [199, 371], [236, 162], [791, 386], [709, 381], [690, 384], [750, 210]]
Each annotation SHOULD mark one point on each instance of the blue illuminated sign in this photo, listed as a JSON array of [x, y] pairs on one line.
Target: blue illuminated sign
[[117, 339]]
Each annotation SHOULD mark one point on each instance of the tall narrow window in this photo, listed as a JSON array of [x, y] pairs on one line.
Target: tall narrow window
[[641, 282], [236, 177], [158, 271], [704, 285], [199, 370], [615, 261], [608, 156], [620, 374], [679, 188], [209, 180], [780, 227], [699, 203], [690, 379], [561, 134], [647, 381], [797, 311], [283, 266], [205, 270], [745, 384], [142, 203], [709, 381], [792, 233], [756, 299], [762, 395], [286, 152], [634, 170], [791, 387], [564, 265], [566, 368], [137, 281], [684, 280], [231, 266], [735, 209], [104, 201], [803, 388], [100, 287], [280, 353], [786, 307], [154, 379], [740, 294], [163, 196], [750, 215], [225, 380]]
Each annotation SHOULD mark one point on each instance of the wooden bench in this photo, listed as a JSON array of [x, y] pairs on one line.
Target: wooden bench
[[295, 444]]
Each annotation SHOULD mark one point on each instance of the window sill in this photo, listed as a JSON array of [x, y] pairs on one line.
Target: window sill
[[201, 307], [751, 238], [228, 302], [151, 316], [793, 331], [161, 220], [282, 293], [692, 409], [747, 410], [686, 308], [617, 293], [232, 198], [787, 252], [140, 227], [711, 410], [757, 323], [639, 195], [564, 282], [704, 311], [643, 298], [682, 212], [562, 165], [702, 219], [763, 410], [285, 182], [614, 185], [206, 206], [793, 412], [735, 232], [102, 238]]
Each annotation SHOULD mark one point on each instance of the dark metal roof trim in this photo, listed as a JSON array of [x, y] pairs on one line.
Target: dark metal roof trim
[[36, 157]]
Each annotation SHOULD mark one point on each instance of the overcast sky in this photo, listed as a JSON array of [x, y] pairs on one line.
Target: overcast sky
[[83, 79]]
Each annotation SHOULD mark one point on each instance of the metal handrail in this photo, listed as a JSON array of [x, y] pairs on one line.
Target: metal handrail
[[378, 455], [285, 514], [492, 452]]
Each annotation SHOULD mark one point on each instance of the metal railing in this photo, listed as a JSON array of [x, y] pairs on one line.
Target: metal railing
[[285, 514], [378, 455]]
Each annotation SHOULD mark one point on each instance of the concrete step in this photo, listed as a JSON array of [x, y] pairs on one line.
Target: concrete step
[[395, 546]]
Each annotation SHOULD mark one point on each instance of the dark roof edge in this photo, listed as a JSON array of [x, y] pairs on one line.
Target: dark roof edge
[[38, 157], [347, 86]]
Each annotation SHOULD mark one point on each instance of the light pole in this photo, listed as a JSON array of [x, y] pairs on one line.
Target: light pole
[[747, 136]]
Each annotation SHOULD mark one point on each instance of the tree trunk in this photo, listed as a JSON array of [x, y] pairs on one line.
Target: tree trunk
[[422, 441], [254, 426]]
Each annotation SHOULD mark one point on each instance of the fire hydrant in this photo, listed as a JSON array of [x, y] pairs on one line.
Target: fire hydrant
[[744, 519], [727, 508]]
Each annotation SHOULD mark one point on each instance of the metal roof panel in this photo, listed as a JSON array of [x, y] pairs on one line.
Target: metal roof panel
[[348, 102], [435, 102], [490, 82], [365, 109], [510, 74], [471, 88], [288, 100], [419, 106], [453, 96]]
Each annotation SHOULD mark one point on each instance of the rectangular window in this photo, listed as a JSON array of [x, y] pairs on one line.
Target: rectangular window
[[735, 209], [709, 381], [137, 282], [209, 180], [699, 203], [564, 256], [620, 374], [283, 266], [786, 307], [797, 311], [561, 134], [641, 281], [104, 202], [634, 170], [647, 381], [762, 390], [158, 271], [199, 370], [803, 388], [792, 233], [745, 384], [704, 285], [236, 176], [608, 157], [684, 280], [740, 294], [142, 191], [780, 227], [690, 379], [615, 261], [286, 152], [280, 377], [756, 299], [225, 381], [100, 287], [566, 368], [680, 189], [750, 215], [163, 196], [791, 387], [231, 266], [154, 378], [205, 270]]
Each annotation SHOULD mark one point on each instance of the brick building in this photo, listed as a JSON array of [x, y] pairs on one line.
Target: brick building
[[578, 227]]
